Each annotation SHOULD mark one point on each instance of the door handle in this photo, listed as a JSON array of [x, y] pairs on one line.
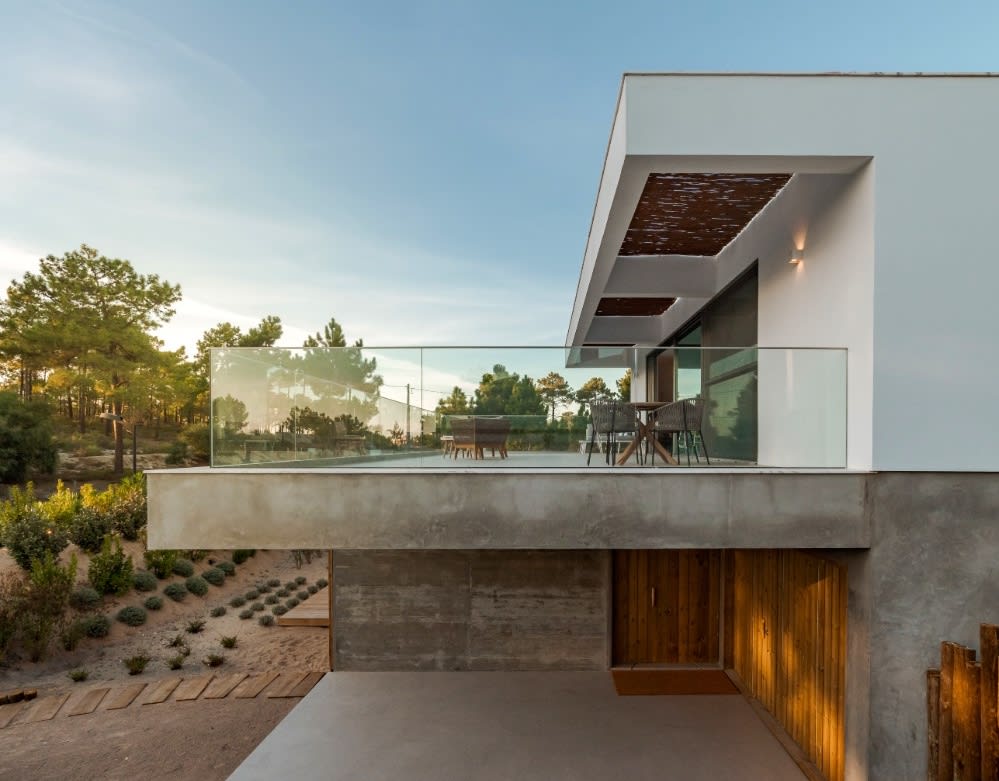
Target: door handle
[[653, 596]]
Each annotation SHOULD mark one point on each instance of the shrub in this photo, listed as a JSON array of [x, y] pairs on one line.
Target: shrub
[[90, 526], [228, 641], [291, 585], [84, 598], [257, 607], [96, 626], [178, 453], [197, 437], [214, 660], [28, 535], [251, 594], [177, 642], [263, 588], [283, 593], [132, 615], [266, 620], [46, 599], [300, 580], [245, 614], [176, 662], [183, 567], [144, 581], [71, 635], [271, 599], [293, 602], [313, 588], [195, 626], [303, 557], [125, 505], [279, 610], [61, 507], [26, 440], [322, 583], [78, 676], [153, 603], [197, 555], [197, 585], [218, 612], [136, 664], [176, 591], [302, 595], [161, 562], [227, 567], [237, 601], [215, 576], [274, 582], [239, 556], [110, 571]]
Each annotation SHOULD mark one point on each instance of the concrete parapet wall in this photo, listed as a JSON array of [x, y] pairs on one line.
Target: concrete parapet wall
[[471, 610]]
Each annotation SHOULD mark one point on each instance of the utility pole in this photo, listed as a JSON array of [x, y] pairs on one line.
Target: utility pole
[[408, 441]]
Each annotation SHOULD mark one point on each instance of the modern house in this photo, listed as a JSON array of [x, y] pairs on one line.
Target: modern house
[[812, 256]]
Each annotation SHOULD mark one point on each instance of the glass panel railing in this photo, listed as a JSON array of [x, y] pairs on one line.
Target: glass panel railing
[[525, 407]]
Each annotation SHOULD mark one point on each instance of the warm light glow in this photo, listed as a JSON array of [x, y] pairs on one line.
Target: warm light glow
[[797, 256]]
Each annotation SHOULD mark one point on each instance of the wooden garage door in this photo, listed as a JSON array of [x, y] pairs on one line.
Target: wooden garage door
[[666, 607]]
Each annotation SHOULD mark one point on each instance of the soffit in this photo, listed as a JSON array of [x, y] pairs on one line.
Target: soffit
[[633, 307]]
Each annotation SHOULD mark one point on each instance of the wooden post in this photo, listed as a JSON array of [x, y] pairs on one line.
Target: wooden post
[[932, 724], [990, 699], [966, 716], [329, 598], [945, 763]]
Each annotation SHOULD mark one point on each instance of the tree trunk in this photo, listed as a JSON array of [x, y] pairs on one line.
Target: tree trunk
[[119, 440], [69, 403]]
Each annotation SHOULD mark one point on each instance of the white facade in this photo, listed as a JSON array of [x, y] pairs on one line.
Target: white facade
[[890, 196]]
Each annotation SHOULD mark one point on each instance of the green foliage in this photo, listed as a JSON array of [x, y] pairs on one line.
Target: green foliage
[[503, 393], [197, 554], [293, 602], [71, 634], [78, 676], [271, 599], [178, 641], [274, 582], [96, 626], [266, 620], [183, 567], [214, 660], [26, 440], [322, 583], [290, 585], [237, 601], [302, 595], [279, 610], [176, 662], [62, 505], [553, 390], [313, 589], [227, 567], [455, 404], [301, 580], [229, 415], [197, 439], [46, 600], [179, 453], [257, 606], [218, 612], [153, 603], [263, 588], [195, 626], [245, 614], [283, 593], [161, 562], [197, 585], [125, 504], [251, 594], [176, 591], [144, 581], [27, 533], [12, 594], [132, 615], [240, 556], [89, 528], [84, 598], [110, 571], [594, 389], [215, 576], [136, 664], [624, 386], [228, 641], [301, 557]]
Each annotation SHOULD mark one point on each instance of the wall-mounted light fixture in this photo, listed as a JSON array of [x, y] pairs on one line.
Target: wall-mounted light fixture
[[797, 256]]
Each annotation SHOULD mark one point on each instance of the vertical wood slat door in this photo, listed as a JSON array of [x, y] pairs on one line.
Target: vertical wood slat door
[[666, 606]]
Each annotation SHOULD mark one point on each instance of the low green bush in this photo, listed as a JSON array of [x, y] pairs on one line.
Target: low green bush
[[110, 571], [271, 599], [274, 582], [144, 581], [263, 588], [322, 583], [89, 528], [44, 603], [251, 594], [176, 591], [215, 576], [266, 620], [302, 596], [176, 662], [218, 612], [197, 555], [291, 585], [161, 562], [313, 588], [84, 598], [178, 641], [293, 602], [132, 615], [239, 556], [245, 614], [28, 534], [153, 603], [195, 626], [78, 676], [228, 641], [214, 660], [197, 585], [301, 580], [283, 593], [227, 567], [237, 601], [96, 625], [71, 635], [136, 664], [279, 610], [183, 567], [257, 606]]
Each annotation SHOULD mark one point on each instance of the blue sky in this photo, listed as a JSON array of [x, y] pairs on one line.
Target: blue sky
[[424, 172]]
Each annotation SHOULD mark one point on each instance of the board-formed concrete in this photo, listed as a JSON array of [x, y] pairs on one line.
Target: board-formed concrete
[[502, 726], [471, 610], [601, 508]]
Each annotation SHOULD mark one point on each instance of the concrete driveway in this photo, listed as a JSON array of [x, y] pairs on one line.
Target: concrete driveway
[[511, 726]]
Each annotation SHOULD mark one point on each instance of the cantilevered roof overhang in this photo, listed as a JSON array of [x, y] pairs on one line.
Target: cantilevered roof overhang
[[672, 197]]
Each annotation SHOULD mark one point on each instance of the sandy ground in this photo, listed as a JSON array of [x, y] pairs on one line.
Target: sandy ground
[[258, 649], [203, 740]]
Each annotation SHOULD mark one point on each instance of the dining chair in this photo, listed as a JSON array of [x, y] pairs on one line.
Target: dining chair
[[611, 418]]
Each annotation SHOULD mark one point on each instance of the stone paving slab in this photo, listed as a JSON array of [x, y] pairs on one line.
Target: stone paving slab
[[87, 702]]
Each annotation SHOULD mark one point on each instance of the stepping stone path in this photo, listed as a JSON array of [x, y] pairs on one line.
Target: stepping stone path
[[23, 706]]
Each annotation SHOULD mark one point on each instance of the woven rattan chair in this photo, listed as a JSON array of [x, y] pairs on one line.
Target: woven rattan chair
[[611, 418], [463, 431], [492, 433], [684, 418]]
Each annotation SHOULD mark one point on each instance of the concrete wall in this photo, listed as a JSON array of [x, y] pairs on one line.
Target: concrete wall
[[471, 610]]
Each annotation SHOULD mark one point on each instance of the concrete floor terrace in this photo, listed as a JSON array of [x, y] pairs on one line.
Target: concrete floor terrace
[[501, 726]]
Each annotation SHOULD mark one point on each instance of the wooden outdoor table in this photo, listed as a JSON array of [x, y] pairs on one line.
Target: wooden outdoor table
[[644, 408]]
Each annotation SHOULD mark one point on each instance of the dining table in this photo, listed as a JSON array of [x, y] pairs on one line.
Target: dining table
[[643, 408]]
